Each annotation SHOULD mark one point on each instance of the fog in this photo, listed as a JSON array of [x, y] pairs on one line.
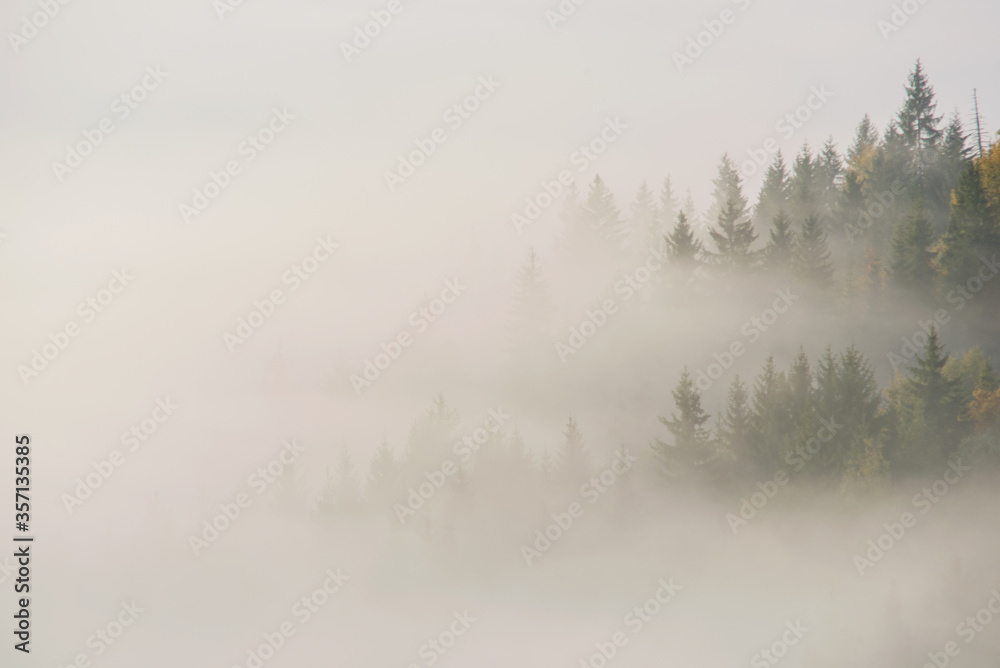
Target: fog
[[348, 349]]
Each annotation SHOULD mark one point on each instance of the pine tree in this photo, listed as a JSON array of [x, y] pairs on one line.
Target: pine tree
[[775, 193], [911, 257], [916, 122], [733, 432], [769, 419], [383, 476], [828, 173], [734, 236], [602, 213], [728, 191], [646, 226], [811, 255], [668, 208], [938, 399], [805, 185], [692, 446], [971, 230], [781, 246], [530, 323], [682, 245], [574, 464]]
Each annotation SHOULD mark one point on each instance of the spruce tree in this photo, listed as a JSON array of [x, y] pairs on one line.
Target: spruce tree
[[938, 399], [911, 257], [602, 213], [682, 245], [972, 232], [774, 193], [734, 237], [692, 446], [769, 419], [668, 208], [781, 246], [574, 464], [811, 255], [646, 228], [805, 185], [728, 191], [733, 431]]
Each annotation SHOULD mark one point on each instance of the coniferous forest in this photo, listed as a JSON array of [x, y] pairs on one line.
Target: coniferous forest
[[556, 334]]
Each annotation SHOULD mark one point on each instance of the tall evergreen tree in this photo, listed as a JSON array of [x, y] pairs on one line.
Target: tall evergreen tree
[[775, 193], [682, 245], [668, 207], [646, 226], [911, 257], [602, 213], [972, 230], [728, 191], [805, 185], [733, 431], [781, 246], [811, 255], [769, 420], [734, 237], [692, 447], [938, 399], [574, 464]]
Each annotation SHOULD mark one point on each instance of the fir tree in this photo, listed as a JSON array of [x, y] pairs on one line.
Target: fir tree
[[692, 446], [531, 308], [775, 193], [938, 406], [781, 246], [733, 430], [811, 255], [805, 185], [682, 245], [911, 257], [646, 226], [769, 419], [727, 193], [734, 236]]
